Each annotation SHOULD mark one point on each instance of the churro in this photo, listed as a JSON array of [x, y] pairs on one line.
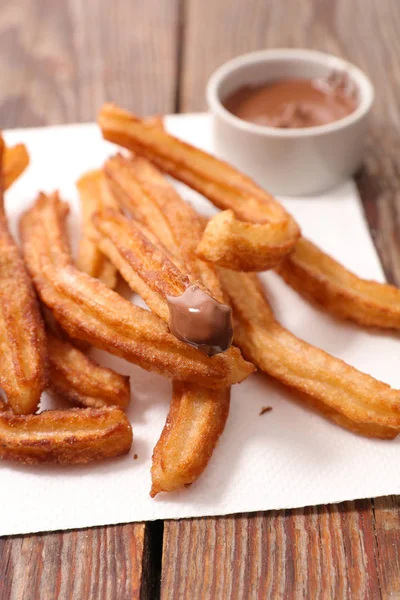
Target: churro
[[77, 435], [94, 197], [146, 194], [22, 336], [325, 282], [342, 393], [197, 415], [16, 160], [196, 420], [79, 379], [88, 310], [253, 233]]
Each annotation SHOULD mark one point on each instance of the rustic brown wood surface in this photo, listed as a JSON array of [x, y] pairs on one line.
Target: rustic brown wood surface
[[102, 562], [59, 60], [322, 552]]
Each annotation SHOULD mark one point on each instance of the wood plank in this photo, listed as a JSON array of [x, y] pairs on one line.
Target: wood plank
[[320, 552], [379, 188], [340, 540], [387, 528], [89, 563], [59, 61], [362, 31]]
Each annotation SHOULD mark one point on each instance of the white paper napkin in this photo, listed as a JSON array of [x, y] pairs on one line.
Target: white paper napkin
[[286, 458]]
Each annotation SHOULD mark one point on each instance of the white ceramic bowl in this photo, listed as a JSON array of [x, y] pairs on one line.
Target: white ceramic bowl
[[289, 162]]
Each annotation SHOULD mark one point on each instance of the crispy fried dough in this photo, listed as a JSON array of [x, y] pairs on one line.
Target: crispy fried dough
[[197, 416], [257, 232], [16, 159], [80, 380], [88, 310], [228, 236], [22, 336], [194, 424], [145, 193], [77, 435], [321, 279], [147, 270], [94, 197], [341, 392]]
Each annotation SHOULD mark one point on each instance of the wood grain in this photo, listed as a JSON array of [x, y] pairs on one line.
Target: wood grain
[[60, 60], [322, 552], [387, 530], [362, 31], [90, 563], [378, 184]]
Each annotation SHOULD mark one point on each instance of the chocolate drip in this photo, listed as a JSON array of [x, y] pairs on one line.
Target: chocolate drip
[[196, 318]]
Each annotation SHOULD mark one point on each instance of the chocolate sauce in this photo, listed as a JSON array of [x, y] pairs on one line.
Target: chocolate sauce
[[196, 318], [295, 103]]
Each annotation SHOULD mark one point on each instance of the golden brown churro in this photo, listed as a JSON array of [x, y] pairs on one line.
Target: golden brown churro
[[22, 336], [94, 197], [255, 228], [253, 233], [321, 279], [145, 193], [196, 420], [77, 435], [341, 392], [88, 310], [197, 416], [145, 267], [16, 159], [80, 380]]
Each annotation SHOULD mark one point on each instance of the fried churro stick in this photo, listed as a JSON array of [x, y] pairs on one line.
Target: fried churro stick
[[22, 336], [253, 233], [235, 232], [145, 193], [94, 197], [77, 435], [148, 271], [80, 380], [16, 159], [321, 279], [88, 310], [342, 393], [197, 416], [194, 424]]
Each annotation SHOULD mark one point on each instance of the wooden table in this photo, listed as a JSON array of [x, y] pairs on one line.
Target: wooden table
[[60, 60]]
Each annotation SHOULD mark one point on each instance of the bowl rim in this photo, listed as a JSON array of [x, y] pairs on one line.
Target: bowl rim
[[361, 80]]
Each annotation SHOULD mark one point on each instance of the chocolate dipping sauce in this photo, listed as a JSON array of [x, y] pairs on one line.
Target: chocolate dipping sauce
[[196, 318], [295, 103]]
